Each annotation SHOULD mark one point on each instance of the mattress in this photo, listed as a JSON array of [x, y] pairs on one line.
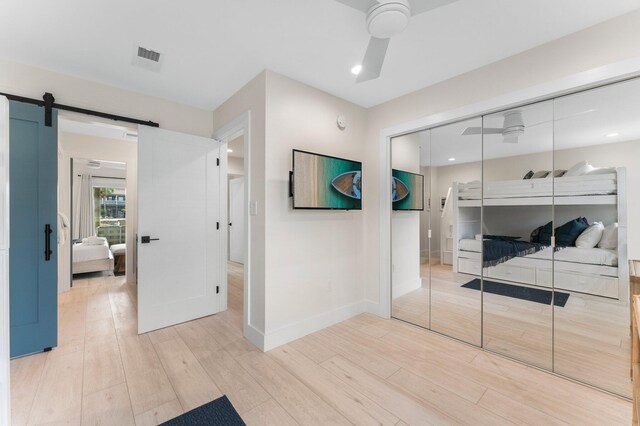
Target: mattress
[[85, 253], [604, 184], [590, 256], [470, 245]]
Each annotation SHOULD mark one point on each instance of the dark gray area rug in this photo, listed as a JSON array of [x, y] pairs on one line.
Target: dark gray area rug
[[537, 295], [214, 413]]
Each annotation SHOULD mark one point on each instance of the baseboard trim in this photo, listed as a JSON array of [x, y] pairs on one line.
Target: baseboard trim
[[254, 335], [374, 308], [310, 325]]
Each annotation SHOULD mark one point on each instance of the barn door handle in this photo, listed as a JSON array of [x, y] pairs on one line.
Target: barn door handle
[[47, 242]]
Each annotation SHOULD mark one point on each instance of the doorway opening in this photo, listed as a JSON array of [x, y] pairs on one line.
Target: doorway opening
[[236, 231]]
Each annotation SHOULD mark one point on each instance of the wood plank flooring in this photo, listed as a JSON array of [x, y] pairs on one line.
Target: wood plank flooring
[[365, 370], [590, 341]]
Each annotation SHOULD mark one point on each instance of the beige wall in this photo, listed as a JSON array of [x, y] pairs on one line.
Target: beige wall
[[314, 259], [24, 80], [606, 43], [252, 98]]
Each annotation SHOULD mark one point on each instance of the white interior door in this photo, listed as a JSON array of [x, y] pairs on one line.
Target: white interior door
[[236, 220], [179, 243]]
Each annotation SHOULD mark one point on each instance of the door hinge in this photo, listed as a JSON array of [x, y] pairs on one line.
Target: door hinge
[[217, 225], [217, 161], [217, 289]]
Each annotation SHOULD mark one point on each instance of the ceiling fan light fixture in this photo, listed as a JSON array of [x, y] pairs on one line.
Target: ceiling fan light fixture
[[356, 69], [388, 18]]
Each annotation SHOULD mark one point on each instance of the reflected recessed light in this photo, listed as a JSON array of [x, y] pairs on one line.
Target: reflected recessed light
[[356, 70], [452, 159], [613, 135], [229, 150]]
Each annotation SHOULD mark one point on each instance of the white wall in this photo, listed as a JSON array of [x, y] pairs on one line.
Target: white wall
[[235, 166], [92, 147], [314, 259], [252, 98], [606, 43]]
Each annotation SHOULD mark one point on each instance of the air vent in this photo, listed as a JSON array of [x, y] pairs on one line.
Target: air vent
[[149, 60], [148, 54]]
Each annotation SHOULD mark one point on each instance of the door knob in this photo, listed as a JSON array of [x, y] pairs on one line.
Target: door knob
[[145, 239]]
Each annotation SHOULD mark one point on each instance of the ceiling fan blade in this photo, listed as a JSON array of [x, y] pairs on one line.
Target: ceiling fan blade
[[510, 139], [471, 131], [361, 5], [373, 59], [420, 6], [479, 130]]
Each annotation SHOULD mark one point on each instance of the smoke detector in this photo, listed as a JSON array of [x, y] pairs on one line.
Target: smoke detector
[[147, 58]]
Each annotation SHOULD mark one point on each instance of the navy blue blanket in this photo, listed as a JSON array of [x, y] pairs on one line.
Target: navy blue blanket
[[497, 250]]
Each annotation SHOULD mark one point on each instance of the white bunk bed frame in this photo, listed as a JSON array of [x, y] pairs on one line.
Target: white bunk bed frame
[[606, 189]]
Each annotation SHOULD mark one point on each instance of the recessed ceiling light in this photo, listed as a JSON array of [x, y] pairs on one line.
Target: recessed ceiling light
[[229, 150], [613, 135], [452, 159], [356, 70]]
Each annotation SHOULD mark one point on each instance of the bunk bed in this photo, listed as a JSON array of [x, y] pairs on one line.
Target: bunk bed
[[600, 272]]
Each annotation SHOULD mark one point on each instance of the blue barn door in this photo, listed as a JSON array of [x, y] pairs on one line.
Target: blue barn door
[[33, 273]]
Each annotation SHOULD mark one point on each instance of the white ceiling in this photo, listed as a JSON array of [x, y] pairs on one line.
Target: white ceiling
[[594, 117], [106, 169], [211, 48]]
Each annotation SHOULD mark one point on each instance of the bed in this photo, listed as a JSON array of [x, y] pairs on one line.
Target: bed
[[593, 271], [92, 257]]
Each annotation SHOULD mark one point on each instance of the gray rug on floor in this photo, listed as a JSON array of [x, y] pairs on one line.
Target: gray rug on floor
[[214, 413]]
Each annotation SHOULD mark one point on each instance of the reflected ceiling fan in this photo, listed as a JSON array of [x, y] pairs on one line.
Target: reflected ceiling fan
[[512, 128], [384, 19], [513, 125]]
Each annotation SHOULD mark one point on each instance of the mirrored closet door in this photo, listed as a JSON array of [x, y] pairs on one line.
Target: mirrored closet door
[[597, 152], [456, 171], [532, 218], [410, 225], [517, 215]]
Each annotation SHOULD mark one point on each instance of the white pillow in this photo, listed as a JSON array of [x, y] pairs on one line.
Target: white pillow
[[609, 238], [582, 168], [591, 236]]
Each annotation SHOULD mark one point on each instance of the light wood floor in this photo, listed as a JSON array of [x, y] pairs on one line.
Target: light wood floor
[[590, 341], [365, 370]]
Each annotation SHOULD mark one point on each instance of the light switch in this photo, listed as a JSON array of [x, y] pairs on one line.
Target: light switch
[[253, 208]]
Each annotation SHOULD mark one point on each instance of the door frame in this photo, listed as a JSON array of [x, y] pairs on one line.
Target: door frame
[[608, 74], [240, 126]]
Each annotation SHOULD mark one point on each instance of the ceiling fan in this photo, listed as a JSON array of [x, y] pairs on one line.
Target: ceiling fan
[[384, 19], [512, 127]]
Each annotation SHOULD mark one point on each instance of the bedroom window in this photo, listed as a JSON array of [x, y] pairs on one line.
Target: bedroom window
[[110, 214]]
